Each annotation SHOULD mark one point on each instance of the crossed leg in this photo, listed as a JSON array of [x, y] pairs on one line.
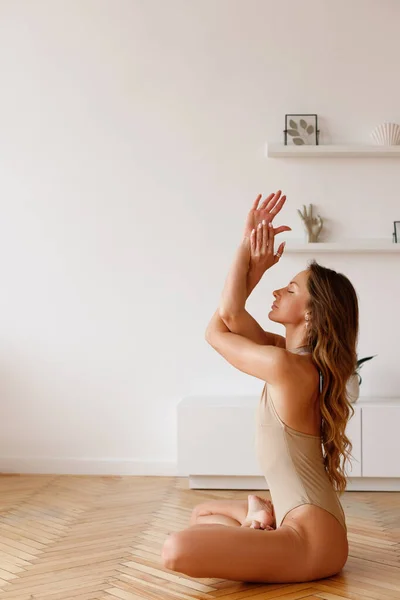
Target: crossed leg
[[221, 512], [239, 554], [255, 512]]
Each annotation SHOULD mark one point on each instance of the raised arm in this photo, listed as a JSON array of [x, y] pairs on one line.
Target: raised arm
[[251, 261], [244, 324], [258, 358]]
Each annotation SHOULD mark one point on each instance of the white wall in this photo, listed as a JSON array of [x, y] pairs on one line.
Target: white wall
[[132, 146]]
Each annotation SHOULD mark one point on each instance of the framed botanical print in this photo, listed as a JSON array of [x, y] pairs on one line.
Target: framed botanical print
[[396, 233], [301, 129]]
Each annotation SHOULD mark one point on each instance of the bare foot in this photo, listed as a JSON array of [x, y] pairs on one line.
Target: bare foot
[[260, 513]]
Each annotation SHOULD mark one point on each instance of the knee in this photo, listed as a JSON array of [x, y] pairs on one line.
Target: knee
[[194, 515], [197, 512], [173, 551]]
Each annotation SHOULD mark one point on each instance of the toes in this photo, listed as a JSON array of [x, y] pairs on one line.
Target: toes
[[258, 525]]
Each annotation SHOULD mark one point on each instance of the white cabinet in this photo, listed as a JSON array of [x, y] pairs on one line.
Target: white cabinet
[[353, 432], [381, 439], [216, 442]]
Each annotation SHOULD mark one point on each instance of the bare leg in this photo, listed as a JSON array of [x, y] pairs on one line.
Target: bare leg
[[241, 554], [223, 512], [253, 512], [217, 519]]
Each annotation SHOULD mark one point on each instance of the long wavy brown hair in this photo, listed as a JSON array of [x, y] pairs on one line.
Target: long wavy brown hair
[[332, 333]]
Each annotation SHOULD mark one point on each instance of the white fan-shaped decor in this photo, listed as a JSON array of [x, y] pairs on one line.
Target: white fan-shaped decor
[[386, 134]]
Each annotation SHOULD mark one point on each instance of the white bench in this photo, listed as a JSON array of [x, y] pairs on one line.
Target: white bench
[[216, 443]]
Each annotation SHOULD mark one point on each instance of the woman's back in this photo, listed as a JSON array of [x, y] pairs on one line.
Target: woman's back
[[290, 458], [296, 398]]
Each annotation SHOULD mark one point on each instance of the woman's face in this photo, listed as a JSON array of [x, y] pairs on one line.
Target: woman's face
[[290, 305]]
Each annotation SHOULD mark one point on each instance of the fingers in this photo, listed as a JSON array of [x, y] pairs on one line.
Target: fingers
[[270, 198], [273, 203], [282, 228], [264, 242], [253, 241], [256, 201], [271, 239], [260, 236], [279, 253], [273, 210]]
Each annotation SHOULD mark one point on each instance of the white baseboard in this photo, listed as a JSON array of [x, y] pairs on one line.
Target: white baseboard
[[120, 467], [359, 484], [373, 484], [87, 466]]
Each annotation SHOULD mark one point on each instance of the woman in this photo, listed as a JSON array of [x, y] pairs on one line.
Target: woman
[[301, 420]]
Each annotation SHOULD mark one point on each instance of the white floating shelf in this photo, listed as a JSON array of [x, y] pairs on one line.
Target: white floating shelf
[[350, 246], [331, 151]]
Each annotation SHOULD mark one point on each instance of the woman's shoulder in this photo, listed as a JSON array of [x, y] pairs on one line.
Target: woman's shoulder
[[302, 375]]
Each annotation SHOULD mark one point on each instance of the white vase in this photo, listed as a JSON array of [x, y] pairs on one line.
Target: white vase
[[353, 388]]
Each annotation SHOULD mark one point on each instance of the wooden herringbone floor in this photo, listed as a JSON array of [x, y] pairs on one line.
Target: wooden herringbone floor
[[87, 538]]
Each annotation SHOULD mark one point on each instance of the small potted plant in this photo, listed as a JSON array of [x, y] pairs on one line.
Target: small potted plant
[[354, 382]]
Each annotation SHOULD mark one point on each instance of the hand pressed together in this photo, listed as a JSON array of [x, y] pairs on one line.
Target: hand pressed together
[[260, 233]]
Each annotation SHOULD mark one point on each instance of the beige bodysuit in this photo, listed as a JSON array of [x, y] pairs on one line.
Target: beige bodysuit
[[292, 463]]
